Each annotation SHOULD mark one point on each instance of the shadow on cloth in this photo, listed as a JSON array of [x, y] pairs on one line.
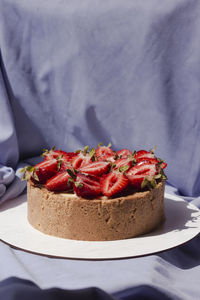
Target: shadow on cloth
[[14, 288]]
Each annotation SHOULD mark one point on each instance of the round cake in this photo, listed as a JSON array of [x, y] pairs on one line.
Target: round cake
[[115, 195], [69, 216]]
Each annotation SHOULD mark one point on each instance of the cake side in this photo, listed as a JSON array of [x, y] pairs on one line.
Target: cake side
[[69, 216]]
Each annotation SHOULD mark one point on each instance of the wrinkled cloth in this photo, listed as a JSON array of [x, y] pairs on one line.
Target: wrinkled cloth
[[74, 73], [15, 288], [11, 184], [19, 289]]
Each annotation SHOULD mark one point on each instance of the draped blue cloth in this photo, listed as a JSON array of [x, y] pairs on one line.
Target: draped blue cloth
[[75, 73]]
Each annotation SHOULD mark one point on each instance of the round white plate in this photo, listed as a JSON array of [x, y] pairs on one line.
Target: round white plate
[[181, 225]]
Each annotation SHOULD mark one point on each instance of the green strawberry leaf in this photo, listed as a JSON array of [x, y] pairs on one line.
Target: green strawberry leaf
[[86, 148], [78, 184], [92, 152], [123, 168], [71, 173]]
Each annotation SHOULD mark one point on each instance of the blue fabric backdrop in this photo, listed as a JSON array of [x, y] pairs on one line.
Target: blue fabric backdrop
[[80, 72]]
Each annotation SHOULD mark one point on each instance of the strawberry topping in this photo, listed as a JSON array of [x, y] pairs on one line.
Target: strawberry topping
[[113, 183], [163, 165], [105, 153], [95, 168], [45, 170], [124, 153], [87, 186], [150, 160], [60, 182], [143, 154], [137, 173], [93, 172], [123, 162], [81, 160], [52, 153]]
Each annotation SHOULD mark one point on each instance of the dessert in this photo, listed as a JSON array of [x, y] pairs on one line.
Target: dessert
[[96, 195]]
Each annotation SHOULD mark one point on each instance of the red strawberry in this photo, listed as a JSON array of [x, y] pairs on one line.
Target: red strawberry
[[81, 160], [69, 156], [142, 154], [151, 160], [108, 158], [59, 182], [87, 186], [163, 165], [123, 162], [66, 156], [45, 170], [52, 153], [137, 173], [104, 153], [95, 168], [113, 183], [124, 153], [65, 165]]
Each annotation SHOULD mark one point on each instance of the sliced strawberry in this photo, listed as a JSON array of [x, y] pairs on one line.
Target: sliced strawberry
[[95, 168], [137, 173], [113, 183], [104, 153], [124, 153], [154, 160], [52, 153], [108, 158], [59, 182], [151, 160], [69, 156], [65, 165], [123, 162], [163, 165], [142, 154], [46, 169], [81, 160], [87, 186], [66, 156]]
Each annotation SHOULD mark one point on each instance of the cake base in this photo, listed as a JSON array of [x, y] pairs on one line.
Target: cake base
[[68, 216]]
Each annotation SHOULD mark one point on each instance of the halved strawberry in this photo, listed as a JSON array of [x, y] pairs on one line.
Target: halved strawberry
[[104, 153], [150, 160], [113, 183], [124, 153], [137, 173], [108, 158], [123, 162], [59, 182], [81, 160], [52, 153], [95, 168], [87, 186], [163, 165], [65, 165], [143, 153], [45, 170]]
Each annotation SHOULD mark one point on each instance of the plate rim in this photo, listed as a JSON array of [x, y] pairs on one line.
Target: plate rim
[[127, 256]]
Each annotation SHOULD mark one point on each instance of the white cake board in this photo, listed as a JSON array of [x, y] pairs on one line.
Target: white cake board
[[181, 225]]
